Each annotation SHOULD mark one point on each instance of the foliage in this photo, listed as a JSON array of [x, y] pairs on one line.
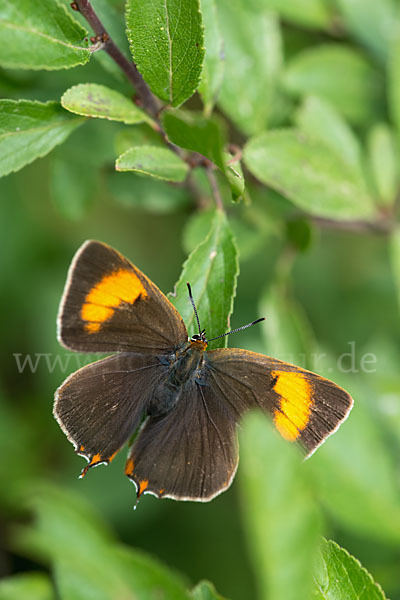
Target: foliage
[[211, 134]]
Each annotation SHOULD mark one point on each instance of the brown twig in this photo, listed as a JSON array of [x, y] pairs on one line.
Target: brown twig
[[148, 100], [380, 226]]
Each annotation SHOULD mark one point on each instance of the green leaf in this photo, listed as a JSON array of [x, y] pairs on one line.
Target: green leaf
[[339, 74], [205, 591], [212, 270], [167, 45], [72, 187], [93, 100], [395, 260], [112, 17], [205, 135], [40, 35], [249, 237], [35, 586], [213, 68], [88, 562], [234, 174], [322, 121], [154, 161], [383, 160], [282, 521], [308, 13], [29, 130], [371, 23], [393, 84], [308, 173], [253, 59], [342, 577], [196, 132]]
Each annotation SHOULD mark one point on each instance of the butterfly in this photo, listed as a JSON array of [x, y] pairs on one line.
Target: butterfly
[[183, 401]]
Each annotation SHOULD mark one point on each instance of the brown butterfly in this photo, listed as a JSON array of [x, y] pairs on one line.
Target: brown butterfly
[[185, 401]]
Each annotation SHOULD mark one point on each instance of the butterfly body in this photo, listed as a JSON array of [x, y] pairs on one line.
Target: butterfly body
[[184, 401]]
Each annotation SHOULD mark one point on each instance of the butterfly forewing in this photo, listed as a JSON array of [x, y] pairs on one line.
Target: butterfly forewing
[[109, 305], [305, 407]]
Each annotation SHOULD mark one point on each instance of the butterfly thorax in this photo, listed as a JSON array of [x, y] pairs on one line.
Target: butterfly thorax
[[185, 369], [187, 363]]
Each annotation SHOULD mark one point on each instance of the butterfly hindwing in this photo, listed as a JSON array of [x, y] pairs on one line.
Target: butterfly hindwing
[[189, 453], [109, 305], [305, 407], [102, 404]]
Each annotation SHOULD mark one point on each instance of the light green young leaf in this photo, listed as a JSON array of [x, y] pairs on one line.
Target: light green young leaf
[[196, 132], [306, 13], [167, 44], [205, 591], [40, 35], [154, 161], [383, 160], [322, 121], [371, 23], [35, 586], [342, 577], [94, 100], [213, 68], [212, 270], [339, 74], [282, 521], [29, 130], [308, 173], [234, 174], [253, 59]]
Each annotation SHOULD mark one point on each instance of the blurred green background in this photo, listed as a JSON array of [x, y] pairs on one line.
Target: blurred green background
[[325, 292]]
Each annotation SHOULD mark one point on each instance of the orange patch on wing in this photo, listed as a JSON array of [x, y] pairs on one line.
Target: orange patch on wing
[[295, 403], [110, 458], [142, 486], [95, 459], [129, 467], [102, 300]]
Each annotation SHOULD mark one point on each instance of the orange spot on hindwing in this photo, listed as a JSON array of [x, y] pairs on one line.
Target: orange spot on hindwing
[[102, 300], [95, 460], [295, 394], [129, 467], [142, 486]]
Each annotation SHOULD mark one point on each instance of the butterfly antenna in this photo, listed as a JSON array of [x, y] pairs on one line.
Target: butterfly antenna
[[194, 307], [238, 329]]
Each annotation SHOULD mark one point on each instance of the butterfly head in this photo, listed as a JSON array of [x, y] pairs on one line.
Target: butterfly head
[[199, 340]]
